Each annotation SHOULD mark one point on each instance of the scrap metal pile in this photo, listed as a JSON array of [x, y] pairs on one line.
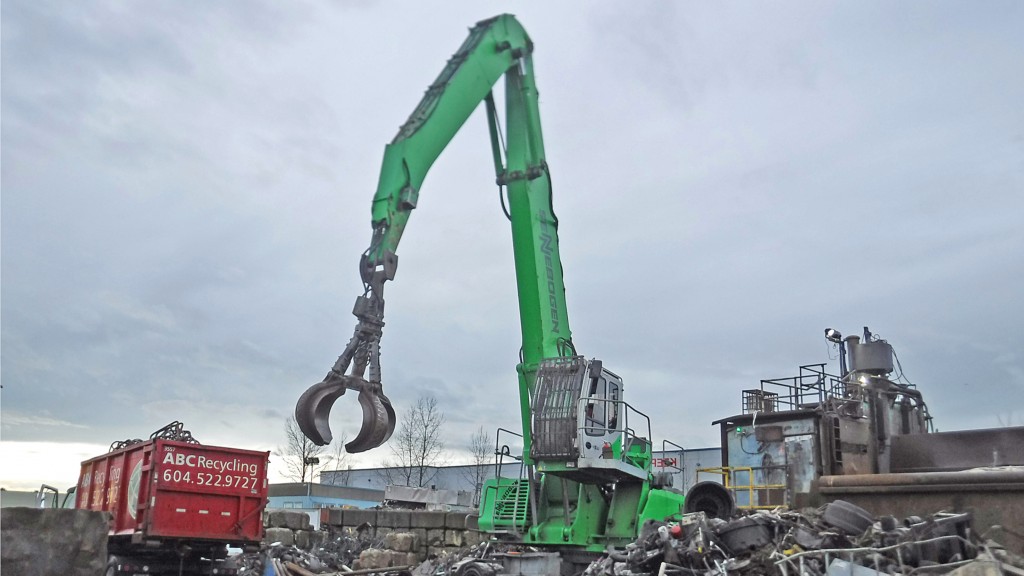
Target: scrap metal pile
[[173, 431], [836, 539], [340, 553], [336, 555]]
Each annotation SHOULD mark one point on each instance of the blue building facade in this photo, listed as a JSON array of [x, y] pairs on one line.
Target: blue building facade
[[309, 497], [681, 465]]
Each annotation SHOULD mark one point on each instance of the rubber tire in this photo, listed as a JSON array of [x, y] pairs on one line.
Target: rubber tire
[[710, 498], [848, 517]]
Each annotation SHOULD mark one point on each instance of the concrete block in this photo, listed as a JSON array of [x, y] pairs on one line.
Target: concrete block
[[352, 518], [283, 535], [400, 541], [317, 539], [277, 519], [376, 558], [400, 558], [381, 532], [453, 538], [53, 542], [331, 516], [302, 539], [424, 519], [472, 537], [296, 520], [455, 520], [394, 519], [421, 539], [370, 558], [435, 537]]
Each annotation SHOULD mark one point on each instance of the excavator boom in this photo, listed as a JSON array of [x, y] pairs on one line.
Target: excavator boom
[[496, 48]]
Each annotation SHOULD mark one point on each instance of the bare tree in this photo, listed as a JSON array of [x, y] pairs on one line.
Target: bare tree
[[339, 461], [302, 457], [416, 446], [481, 452]]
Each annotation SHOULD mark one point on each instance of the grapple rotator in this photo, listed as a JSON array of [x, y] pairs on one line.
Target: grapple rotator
[[362, 355]]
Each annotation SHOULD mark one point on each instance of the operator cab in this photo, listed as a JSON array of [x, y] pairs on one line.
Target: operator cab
[[599, 419], [582, 429]]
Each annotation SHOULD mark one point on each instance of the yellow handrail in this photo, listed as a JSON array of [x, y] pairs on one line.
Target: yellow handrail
[[728, 474]]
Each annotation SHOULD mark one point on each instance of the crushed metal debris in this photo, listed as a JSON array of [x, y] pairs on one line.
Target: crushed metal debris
[[340, 553], [335, 556], [836, 539]]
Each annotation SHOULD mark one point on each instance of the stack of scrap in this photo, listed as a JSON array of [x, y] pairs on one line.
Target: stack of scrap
[[836, 539], [337, 554], [354, 553]]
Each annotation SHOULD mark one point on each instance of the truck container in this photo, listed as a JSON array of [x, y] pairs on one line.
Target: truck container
[[176, 506]]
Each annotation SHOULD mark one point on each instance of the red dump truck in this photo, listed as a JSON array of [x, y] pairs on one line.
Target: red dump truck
[[176, 505]]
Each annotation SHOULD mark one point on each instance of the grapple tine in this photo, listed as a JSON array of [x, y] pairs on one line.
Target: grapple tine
[[378, 421], [313, 410], [392, 419]]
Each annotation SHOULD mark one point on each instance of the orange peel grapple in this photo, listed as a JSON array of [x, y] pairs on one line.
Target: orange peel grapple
[[362, 356]]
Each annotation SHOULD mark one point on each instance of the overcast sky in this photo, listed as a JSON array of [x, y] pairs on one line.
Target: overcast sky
[[186, 190]]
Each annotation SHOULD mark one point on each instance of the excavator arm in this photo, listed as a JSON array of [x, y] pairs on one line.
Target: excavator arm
[[496, 48], [586, 452]]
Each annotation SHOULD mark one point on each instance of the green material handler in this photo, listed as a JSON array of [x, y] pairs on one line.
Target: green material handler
[[586, 480]]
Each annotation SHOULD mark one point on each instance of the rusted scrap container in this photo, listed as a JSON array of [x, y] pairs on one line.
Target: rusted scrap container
[[164, 490]]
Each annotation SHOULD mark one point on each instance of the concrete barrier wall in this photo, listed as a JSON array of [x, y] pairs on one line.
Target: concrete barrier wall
[[434, 533], [290, 527], [53, 542]]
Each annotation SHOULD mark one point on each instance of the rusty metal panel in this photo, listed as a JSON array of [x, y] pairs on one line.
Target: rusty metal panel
[[958, 450], [780, 452], [800, 463], [855, 445]]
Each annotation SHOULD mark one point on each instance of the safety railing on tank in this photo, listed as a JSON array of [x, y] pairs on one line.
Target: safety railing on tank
[[809, 389]]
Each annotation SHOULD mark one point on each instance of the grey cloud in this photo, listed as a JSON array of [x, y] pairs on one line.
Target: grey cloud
[[186, 193]]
